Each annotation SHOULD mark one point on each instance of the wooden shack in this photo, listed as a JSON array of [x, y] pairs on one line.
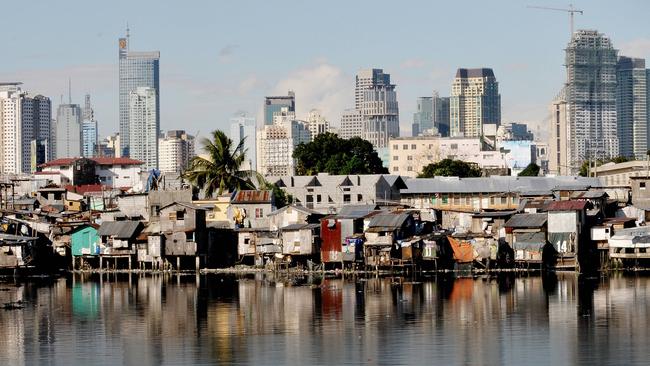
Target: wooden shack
[[526, 234], [384, 236], [183, 225], [118, 239], [85, 243]]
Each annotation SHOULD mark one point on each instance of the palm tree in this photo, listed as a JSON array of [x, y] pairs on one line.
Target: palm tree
[[221, 169]]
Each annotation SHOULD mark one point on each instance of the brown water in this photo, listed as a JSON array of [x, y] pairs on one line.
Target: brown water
[[265, 320]]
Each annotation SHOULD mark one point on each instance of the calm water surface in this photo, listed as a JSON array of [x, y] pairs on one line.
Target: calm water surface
[[261, 319]]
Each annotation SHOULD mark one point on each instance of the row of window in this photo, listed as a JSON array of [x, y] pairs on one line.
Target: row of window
[[457, 200]]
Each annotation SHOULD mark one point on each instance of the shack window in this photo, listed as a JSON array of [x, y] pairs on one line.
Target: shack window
[[180, 215], [456, 200], [642, 185], [504, 200], [492, 200], [359, 197], [319, 199], [468, 201], [154, 210], [189, 236], [259, 213], [172, 215], [346, 198], [445, 199]]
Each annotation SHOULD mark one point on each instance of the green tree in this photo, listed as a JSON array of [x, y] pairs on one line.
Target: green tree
[[532, 170], [584, 168], [450, 168], [331, 154], [221, 170], [280, 197]]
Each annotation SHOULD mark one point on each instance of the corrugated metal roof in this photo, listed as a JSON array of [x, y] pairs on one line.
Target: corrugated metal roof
[[495, 184], [327, 180], [589, 194], [250, 196], [183, 204], [294, 227], [567, 206], [296, 207], [389, 221], [354, 211], [526, 220], [531, 238], [119, 229]]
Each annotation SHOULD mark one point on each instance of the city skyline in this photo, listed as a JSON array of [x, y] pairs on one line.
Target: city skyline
[[226, 75]]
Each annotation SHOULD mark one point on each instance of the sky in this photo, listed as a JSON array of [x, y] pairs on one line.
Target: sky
[[219, 58]]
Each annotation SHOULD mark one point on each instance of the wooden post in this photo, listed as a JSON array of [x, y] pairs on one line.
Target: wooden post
[[178, 263], [197, 263], [129, 263], [100, 263], [73, 260]]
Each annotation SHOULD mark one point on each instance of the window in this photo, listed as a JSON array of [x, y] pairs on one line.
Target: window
[[309, 198], [409, 168], [456, 200], [642, 185], [410, 157], [154, 210], [395, 147], [319, 198], [395, 158], [359, 198], [454, 146], [189, 236], [445, 199], [346, 198], [180, 215], [405, 147], [395, 169], [259, 213], [492, 200], [468, 201], [413, 146], [504, 200]]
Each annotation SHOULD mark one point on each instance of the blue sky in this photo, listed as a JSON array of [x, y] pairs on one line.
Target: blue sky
[[218, 57]]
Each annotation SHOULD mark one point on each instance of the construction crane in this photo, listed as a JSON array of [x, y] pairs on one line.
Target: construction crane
[[571, 10]]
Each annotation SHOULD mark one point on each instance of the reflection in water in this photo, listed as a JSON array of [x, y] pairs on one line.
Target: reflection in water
[[268, 319]]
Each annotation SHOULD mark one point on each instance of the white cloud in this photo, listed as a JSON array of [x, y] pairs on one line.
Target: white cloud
[[639, 47], [322, 86], [249, 84]]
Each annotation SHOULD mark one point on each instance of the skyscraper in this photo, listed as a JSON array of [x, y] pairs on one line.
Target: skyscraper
[[36, 131], [474, 101], [631, 107], [244, 128], [175, 150], [591, 98], [351, 124], [423, 118], [23, 119], [275, 104], [137, 69], [10, 127], [89, 132], [317, 123], [68, 131], [375, 97], [440, 114], [144, 126], [276, 143], [559, 144]]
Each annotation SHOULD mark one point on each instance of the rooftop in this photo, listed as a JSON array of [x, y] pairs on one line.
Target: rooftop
[[527, 220], [100, 161], [495, 184], [567, 206], [250, 196]]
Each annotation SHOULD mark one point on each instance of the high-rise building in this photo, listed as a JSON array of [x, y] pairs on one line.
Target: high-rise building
[[137, 69], [23, 119], [474, 101], [351, 124], [244, 128], [317, 123], [440, 115], [631, 107], [276, 143], [423, 118], [175, 150], [144, 126], [89, 133], [36, 127], [68, 131], [273, 105], [591, 98], [558, 144], [10, 127], [375, 97]]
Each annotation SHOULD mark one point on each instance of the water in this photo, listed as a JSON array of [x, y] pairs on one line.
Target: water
[[265, 320]]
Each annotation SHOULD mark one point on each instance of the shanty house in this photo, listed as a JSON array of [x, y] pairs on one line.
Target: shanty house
[[118, 239], [85, 240], [184, 228], [566, 221], [300, 239], [335, 229], [293, 214], [250, 209], [526, 233], [383, 237]]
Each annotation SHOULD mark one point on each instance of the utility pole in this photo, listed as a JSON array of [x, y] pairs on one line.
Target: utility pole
[[570, 10]]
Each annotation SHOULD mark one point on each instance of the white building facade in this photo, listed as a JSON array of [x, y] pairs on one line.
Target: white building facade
[[175, 150], [276, 143], [144, 126]]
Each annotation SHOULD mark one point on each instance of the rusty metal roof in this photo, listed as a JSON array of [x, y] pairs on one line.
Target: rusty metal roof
[[120, 229], [527, 220], [388, 221], [567, 206], [250, 196]]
